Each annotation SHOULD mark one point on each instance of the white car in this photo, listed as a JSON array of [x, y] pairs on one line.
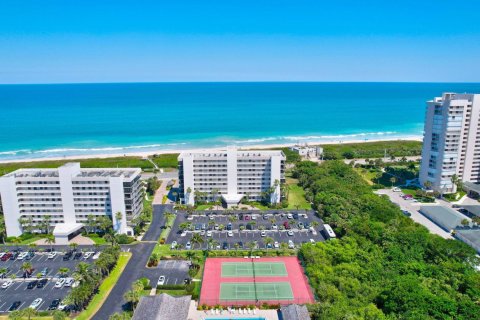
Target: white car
[[2, 254], [209, 233], [7, 283], [254, 217], [60, 282], [289, 216], [290, 233], [62, 306], [211, 217], [184, 233], [276, 244], [202, 233], [52, 255], [22, 255], [174, 245], [161, 281], [312, 241], [188, 246], [88, 254], [190, 218], [263, 234], [274, 227], [396, 189], [290, 244], [36, 303], [69, 282], [96, 255], [230, 233]]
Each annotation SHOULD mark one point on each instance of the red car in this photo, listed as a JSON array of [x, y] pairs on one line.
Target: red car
[[286, 225], [247, 217], [6, 256]]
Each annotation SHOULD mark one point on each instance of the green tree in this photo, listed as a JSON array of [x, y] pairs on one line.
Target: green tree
[[50, 239], [59, 315], [196, 239]]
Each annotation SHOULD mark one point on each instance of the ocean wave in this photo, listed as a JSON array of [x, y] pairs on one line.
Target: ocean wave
[[14, 152], [339, 136], [257, 140]]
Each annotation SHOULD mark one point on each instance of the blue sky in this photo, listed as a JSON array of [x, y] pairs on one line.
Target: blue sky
[[344, 40]]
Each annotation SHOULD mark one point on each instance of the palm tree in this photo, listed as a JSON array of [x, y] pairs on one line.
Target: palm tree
[[212, 243], [29, 313], [91, 223], [74, 246], [118, 218], [196, 239], [16, 315], [3, 230], [190, 255], [3, 270], [267, 241], [26, 267], [59, 315], [63, 271], [50, 239], [476, 219], [427, 185], [393, 180], [46, 222], [252, 245]]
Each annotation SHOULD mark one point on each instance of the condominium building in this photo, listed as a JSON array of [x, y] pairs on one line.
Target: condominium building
[[68, 195], [451, 142], [231, 174]]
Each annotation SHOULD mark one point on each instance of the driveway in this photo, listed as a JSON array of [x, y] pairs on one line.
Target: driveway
[[416, 216], [136, 267]]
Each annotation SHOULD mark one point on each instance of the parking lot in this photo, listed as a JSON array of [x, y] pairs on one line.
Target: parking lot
[[18, 291], [239, 228], [174, 271]]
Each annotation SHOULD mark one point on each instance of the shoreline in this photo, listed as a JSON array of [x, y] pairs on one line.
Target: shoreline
[[144, 154]]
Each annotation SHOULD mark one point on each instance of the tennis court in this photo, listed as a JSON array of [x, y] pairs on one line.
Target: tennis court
[[232, 291], [254, 269]]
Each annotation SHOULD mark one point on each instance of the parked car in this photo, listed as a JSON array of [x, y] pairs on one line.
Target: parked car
[[14, 306], [67, 256], [230, 233], [254, 217], [41, 283], [32, 284], [77, 256], [173, 245], [274, 227], [36, 303], [60, 282], [263, 234], [88, 254], [291, 245], [68, 282], [396, 189], [22, 255], [300, 225], [14, 255], [52, 255], [161, 281], [225, 246], [247, 217], [290, 233], [295, 216], [407, 213], [6, 256], [229, 226], [312, 241], [286, 225], [209, 233], [240, 244], [184, 233], [276, 245], [96, 255], [7, 283], [54, 304], [188, 246], [289, 216]]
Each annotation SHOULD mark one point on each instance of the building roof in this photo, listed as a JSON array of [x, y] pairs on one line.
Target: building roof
[[222, 153], [445, 217], [472, 186], [294, 312], [473, 209], [470, 236], [65, 229], [232, 197], [161, 307]]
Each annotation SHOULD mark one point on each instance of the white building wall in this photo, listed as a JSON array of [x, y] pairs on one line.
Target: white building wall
[[66, 173], [275, 177], [11, 210], [117, 199], [188, 172], [232, 168]]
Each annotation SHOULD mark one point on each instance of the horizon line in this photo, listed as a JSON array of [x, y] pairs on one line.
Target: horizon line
[[253, 81]]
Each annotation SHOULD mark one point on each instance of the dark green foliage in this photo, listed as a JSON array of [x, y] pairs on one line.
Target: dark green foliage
[[152, 185], [372, 149], [383, 266], [124, 239]]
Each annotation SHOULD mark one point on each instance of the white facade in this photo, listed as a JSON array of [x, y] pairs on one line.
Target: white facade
[[232, 173], [306, 151], [451, 142], [69, 195]]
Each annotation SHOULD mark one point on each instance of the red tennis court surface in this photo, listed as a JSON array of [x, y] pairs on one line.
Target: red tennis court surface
[[211, 292]]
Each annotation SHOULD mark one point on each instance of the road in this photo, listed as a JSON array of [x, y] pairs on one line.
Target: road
[[136, 267], [416, 216]]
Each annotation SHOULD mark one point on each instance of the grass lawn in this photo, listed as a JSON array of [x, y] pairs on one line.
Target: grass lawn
[[412, 192], [27, 241], [106, 287], [204, 207], [296, 197], [97, 239], [166, 160], [168, 225], [367, 175], [452, 197]]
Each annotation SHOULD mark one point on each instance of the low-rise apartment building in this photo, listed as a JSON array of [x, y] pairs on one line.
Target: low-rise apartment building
[[68, 195], [231, 174]]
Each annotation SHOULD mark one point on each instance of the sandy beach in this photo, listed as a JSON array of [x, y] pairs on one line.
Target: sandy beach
[[244, 147]]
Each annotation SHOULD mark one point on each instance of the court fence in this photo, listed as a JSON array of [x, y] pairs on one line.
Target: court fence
[[258, 303]]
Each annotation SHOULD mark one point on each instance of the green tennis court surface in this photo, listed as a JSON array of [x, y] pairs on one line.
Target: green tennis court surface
[[232, 291], [245, 269]]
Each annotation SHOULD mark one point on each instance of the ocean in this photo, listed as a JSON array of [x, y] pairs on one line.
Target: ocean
[[40, 121]]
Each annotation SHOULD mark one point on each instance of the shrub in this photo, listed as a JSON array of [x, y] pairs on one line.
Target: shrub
[[124, 239]]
